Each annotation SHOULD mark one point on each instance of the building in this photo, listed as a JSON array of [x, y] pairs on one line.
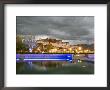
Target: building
[[54, 42]]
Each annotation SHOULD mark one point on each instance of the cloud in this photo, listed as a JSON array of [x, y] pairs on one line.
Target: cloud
[[58, 32], [61, 27], [37, 37]]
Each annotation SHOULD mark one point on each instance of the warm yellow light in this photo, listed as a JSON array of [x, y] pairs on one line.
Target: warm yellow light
[[86, 51], [55, 49], [73, 51], [64, 49], [79, 48], [81, 51], [70, 49], [76, 50], [80, 61], [50, 51]]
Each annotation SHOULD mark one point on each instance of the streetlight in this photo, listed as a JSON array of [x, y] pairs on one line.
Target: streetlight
[[55, 50], [64, 50], [79, 48], [70, 49]]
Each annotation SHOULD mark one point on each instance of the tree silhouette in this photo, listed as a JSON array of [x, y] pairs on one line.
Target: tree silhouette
[[20, 45]]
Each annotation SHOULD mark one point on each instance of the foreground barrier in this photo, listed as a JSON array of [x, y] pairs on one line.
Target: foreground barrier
[[43, 57]]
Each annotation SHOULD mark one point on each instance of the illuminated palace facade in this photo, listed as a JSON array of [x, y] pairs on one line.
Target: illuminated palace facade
[[54, 42], [30, 39], [57, 45]]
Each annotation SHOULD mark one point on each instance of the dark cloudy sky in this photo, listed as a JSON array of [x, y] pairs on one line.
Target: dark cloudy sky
[[73, 28]]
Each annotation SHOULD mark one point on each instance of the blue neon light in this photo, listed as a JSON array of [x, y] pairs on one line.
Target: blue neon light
[[44, 57]]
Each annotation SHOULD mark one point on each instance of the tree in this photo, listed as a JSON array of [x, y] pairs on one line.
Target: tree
[[20, 45]]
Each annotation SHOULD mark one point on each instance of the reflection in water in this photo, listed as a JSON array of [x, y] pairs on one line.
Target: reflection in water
[[81, 64]]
